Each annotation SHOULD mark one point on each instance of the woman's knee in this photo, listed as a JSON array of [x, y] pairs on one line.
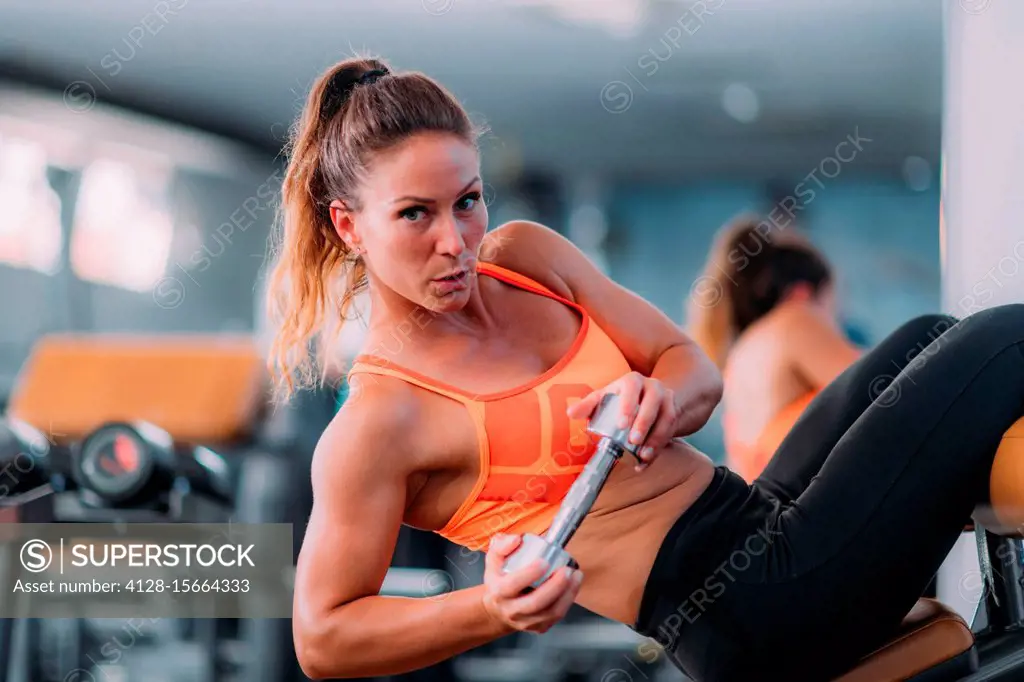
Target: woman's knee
[[920, 331], [1010, 315], [1000, 325], [985, 333], [929, 325]]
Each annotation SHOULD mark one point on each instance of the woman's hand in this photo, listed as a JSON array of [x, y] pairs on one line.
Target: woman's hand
[[648, 408], [505, 600]]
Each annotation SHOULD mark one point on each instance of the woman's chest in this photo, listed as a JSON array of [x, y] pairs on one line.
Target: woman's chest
[[532, 337]]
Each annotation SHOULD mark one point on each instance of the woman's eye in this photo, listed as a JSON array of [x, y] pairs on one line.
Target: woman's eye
[[468, 202], [413, 213]]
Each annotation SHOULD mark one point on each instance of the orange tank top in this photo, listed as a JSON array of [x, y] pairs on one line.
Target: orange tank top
[[749, 459], [530, 451]]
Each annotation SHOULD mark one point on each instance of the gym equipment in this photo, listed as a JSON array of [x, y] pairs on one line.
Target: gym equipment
[[613, 443], [25, 457], [25, 494], [128, 473], [934, 643], [133, 472], [150, 429]]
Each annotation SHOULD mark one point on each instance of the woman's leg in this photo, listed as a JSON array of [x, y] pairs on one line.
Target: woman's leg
[[854, 551], [841, 403]]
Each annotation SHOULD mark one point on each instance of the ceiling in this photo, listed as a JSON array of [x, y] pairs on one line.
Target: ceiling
[[818, 70]]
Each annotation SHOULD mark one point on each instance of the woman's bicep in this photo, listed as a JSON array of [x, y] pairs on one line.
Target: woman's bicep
[[640, 330], [353, 528]]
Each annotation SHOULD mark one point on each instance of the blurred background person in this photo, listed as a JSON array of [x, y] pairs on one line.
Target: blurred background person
[[766, 314]]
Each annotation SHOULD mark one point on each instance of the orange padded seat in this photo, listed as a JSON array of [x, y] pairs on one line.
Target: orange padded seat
[[931, 634], [1005, 514], [198, 388]]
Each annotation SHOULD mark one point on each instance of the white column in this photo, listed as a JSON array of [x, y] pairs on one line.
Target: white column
[[982, 214], [983, 155]]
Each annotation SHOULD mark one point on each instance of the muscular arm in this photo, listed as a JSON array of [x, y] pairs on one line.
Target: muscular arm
[[342, 628], [652, 344]]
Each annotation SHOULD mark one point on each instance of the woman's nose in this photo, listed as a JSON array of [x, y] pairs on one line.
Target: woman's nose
[[450, 241]]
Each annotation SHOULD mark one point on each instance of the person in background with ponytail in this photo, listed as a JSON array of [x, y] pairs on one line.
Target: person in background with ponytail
[[765, 313]]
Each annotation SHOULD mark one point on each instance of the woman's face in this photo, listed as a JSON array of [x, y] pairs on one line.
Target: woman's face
[[421, 220]]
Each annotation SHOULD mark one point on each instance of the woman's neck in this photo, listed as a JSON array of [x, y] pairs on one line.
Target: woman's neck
[[393, 315]]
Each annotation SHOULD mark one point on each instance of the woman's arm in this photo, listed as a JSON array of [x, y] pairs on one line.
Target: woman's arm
[[653, 345], [342, 628]]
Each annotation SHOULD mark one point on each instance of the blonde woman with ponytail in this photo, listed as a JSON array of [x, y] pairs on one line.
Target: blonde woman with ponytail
[[486, 354], [764, 311]]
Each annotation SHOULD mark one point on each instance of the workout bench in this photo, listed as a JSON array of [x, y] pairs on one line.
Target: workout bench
[[934, 643]]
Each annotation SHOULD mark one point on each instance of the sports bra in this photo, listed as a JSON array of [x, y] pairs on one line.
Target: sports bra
[[530, 451], [749, 459]]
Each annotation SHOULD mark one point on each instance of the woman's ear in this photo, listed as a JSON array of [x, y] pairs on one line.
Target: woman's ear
[[344, 226]]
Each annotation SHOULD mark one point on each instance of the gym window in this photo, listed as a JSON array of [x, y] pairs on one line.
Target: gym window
[[30, 232], [123, 226]]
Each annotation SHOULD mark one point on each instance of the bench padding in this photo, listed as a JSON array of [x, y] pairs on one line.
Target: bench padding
[[199, 388]]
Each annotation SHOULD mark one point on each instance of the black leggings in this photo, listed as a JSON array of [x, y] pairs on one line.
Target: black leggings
[[801, 574]]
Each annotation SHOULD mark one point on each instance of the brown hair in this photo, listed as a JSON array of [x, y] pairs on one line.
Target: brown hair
[[750, 269], [356, 108]]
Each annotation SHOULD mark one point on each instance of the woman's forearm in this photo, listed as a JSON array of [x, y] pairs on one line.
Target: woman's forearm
[[377, 636], [696, 383]]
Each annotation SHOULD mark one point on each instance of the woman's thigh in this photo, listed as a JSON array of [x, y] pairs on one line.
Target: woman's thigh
[[857, 548]]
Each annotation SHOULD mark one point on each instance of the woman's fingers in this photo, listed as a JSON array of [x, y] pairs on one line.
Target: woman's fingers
[[628, 389], [541, 610], [648, 411], [500, 549], [646, 415], [513, 584], [545, 596], [565, 601], [585, 407], [630, 392]]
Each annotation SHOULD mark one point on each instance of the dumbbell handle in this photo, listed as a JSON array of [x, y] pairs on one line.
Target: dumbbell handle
[[584, 491]]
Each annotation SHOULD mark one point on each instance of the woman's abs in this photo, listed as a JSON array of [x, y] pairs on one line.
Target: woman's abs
[[618, 540]]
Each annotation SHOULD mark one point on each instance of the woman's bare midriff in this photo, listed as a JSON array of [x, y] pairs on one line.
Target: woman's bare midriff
[[617, 543]]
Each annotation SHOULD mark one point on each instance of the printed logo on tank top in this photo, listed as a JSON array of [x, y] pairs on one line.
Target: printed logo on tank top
[[536, 450]]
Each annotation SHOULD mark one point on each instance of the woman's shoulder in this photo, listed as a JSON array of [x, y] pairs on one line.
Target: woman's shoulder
[[379, 412], [529, 249], [796, 316], [367, 448], [379, 401], [772, 335]]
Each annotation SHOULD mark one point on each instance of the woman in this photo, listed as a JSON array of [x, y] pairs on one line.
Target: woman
[[765, 313], [469, 420]]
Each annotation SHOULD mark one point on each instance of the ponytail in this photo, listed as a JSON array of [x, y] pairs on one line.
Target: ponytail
[[710, 306], [748, 273]]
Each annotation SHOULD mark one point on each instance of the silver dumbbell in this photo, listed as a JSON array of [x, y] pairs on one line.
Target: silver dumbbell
[[580, 498]]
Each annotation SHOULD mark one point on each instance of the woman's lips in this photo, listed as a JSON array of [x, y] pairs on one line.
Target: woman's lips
[[452, 283]]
